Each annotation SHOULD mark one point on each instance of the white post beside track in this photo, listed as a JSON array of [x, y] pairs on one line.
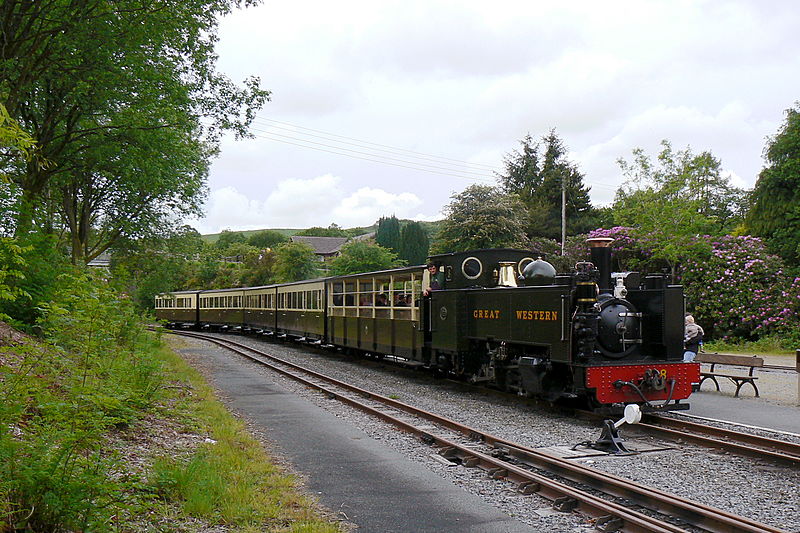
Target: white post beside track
[[797, 368]]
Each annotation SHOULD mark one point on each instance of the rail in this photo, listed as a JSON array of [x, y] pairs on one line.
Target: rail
[[611, 515]]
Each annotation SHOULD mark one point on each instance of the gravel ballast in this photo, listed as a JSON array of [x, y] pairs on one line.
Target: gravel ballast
[[755, 489]]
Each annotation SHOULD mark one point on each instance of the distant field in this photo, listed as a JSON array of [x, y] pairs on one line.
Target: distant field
[[211, 238]]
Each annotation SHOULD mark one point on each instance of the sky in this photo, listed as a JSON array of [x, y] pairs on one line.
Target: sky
[[390, 108]]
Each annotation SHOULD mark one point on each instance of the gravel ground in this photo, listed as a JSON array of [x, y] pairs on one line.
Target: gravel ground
[[743, 486]]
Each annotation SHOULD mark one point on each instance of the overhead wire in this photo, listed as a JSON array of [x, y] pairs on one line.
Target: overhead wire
[[378, 158], [362, 143], [376, 152]]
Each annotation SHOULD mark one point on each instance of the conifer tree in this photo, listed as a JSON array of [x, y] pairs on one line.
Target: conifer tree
[[388, 233], [414, 243], [536, 173]]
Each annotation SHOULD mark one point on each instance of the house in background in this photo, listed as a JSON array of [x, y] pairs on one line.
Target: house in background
[[326, 248]]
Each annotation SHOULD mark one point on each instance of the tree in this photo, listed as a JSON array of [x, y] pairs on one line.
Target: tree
[[14, 141], [740, 290], [146, 267], [672, 201], [388, 233], [295, 261], [227, 238], [536, 174], [481, 217], [266, 239], [127, 108], [361, 256], [775, 212], [258, 268], [414, 244], [331, 231]]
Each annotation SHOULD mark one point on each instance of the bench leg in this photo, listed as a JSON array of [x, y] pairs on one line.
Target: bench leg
[[712, 378], [740, 382]]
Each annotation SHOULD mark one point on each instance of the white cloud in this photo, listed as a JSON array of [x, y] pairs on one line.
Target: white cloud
[[302, 203]]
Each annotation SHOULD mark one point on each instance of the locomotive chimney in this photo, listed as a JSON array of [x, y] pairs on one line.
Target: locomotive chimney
[[601, 257]]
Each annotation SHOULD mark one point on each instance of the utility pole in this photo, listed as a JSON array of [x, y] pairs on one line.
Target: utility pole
[[563, 215]]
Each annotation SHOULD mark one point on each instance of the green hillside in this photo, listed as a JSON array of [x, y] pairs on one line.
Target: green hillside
[[430, 227]]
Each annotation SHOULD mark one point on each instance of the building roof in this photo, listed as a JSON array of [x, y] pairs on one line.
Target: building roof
[[322, 245]]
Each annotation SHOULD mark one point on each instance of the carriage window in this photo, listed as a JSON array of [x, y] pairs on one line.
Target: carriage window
[[337, 294], [350, 293], [382, 293], [365, 294]]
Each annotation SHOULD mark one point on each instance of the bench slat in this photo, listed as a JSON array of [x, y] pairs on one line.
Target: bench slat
[[728, 359], [731, 376]]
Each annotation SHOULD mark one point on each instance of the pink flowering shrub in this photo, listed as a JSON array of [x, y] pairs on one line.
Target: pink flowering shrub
[[738, 290]]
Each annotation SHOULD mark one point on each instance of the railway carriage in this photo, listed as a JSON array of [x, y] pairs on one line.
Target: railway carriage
[[503, 318], [260, 309], [221, 308], [300, 311], [378, 312], [178, 308]]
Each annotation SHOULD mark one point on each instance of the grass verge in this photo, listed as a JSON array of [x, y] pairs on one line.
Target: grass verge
[[228, 478], [120, 434]]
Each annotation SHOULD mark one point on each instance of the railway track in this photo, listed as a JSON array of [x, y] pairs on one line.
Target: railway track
[[728, 440], [532, 470]]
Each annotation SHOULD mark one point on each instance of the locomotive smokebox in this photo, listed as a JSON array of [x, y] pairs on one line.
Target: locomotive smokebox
[[601, 257]]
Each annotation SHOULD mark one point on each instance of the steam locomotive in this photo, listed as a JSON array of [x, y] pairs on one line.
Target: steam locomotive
[[503, 318]]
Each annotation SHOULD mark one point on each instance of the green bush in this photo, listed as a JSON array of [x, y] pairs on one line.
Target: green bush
[[58, 401]]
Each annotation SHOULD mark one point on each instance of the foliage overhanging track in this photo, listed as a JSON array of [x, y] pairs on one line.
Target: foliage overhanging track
[[611, 515]]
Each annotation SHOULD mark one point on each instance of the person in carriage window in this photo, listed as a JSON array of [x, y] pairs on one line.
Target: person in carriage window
[[437, 279]]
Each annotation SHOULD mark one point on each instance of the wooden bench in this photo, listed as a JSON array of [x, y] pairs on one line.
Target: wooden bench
[[715, 359]]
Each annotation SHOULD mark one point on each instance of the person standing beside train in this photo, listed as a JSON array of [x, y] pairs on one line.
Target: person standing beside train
[[692, 339]]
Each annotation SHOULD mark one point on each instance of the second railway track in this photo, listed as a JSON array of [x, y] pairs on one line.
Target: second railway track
[[578, 484]]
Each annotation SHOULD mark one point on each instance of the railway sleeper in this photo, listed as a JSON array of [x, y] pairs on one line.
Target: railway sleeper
[[470, 461], [609, 523], [565, 504], [528, 487], [497, 473]]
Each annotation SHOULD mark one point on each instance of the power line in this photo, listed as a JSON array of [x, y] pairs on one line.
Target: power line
[[376, 157], [384, 162], [340, 150], [361, 143]]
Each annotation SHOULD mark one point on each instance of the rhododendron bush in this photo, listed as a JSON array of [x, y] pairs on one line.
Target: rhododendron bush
[[738, 290]]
